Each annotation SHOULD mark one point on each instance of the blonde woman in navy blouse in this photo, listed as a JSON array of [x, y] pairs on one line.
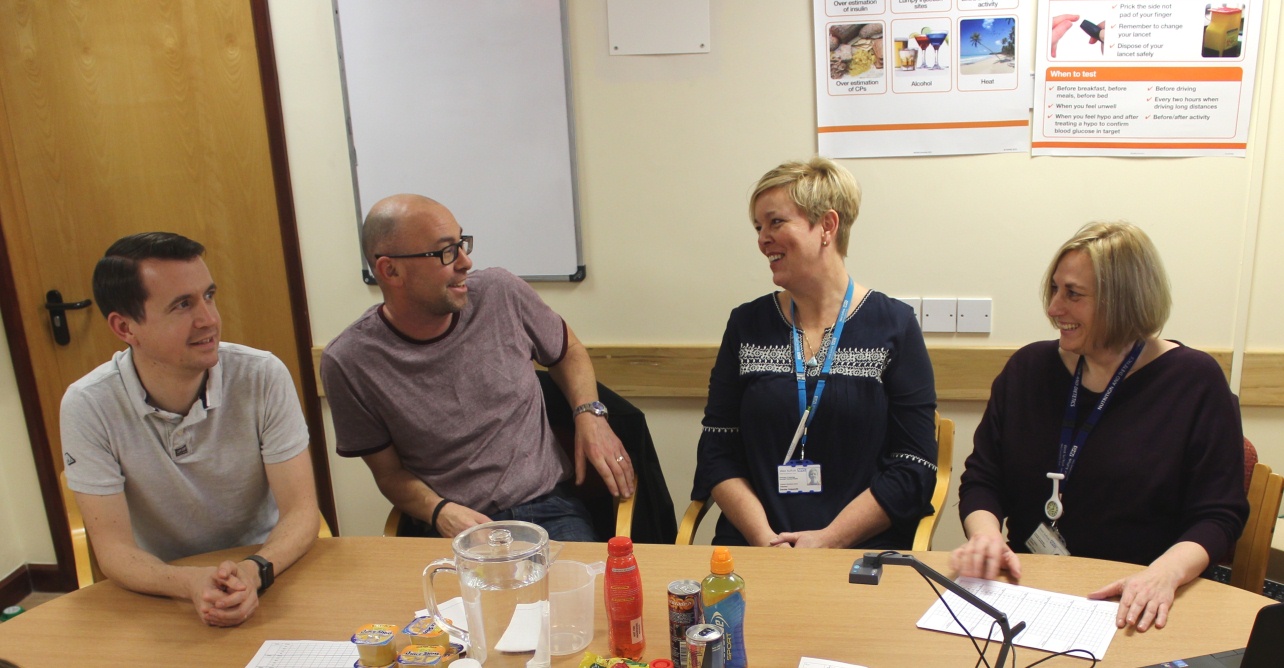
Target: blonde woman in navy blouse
[[864, 472]]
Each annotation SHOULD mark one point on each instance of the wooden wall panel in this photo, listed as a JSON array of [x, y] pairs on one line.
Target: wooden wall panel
[[962, 373]]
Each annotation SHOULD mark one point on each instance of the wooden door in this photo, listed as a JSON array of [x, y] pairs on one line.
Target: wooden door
[[121, 116]]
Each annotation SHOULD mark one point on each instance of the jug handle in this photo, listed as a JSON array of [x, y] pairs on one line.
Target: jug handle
[[430, 600]]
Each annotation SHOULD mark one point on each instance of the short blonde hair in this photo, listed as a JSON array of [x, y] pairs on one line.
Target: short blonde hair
[[1133, 297], [816, 187]]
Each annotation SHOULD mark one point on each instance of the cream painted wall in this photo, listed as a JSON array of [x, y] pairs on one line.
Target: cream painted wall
[[23, 525], [668, 148]]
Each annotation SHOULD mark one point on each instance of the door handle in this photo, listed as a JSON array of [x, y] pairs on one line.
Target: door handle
[[57, 318]]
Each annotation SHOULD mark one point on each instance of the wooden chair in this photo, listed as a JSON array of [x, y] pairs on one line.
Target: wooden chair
[[944, 468], [926, 527], [1252, 552], [87, 570]]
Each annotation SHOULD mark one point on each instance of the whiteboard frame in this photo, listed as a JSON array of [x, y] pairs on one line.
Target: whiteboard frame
[[580, 269]]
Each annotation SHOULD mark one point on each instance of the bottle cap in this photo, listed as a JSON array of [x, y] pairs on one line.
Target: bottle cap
[[660, 663], [620, 546], [721, 563]]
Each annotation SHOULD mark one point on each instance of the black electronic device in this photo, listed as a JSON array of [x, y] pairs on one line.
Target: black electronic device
[[869, 570], [1093, 30], [1265, 646]]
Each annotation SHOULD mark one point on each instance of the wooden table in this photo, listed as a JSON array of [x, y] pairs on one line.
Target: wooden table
[[799, 604]]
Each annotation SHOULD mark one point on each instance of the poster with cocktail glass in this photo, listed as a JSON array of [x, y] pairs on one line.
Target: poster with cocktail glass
[[922, 77], [1140, 78]]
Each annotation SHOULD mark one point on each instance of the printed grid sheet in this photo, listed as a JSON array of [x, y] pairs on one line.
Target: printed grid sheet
[[1054, 622], [304, 654]]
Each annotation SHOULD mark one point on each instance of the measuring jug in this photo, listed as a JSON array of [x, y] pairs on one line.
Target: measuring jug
[[502, 569]]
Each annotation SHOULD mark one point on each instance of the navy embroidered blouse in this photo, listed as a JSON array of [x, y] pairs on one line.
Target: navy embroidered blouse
[[873, 429]]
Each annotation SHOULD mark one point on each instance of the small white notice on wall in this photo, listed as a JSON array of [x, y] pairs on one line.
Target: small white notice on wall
[[655, 27]]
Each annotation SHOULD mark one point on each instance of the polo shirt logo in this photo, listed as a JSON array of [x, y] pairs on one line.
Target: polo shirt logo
[[182, 450]]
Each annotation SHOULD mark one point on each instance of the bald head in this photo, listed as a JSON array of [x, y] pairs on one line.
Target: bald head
[[381, 232]]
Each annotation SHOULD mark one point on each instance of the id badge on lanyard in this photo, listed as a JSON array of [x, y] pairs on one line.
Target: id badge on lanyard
[[802, 476], [1046, 539]]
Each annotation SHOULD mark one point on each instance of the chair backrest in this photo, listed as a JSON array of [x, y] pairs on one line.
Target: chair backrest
[[1252, 552], [926, 527], [87, 571], [944, 468]]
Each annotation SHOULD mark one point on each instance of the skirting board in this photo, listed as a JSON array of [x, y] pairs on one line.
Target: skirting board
[[962, 373], [26, 579]]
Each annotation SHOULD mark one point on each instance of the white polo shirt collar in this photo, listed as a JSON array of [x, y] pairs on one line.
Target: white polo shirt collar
[[211, 397]]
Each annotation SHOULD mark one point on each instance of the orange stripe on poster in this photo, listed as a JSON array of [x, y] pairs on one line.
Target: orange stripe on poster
[[1090, 74], [961, 125], [1142, 145]]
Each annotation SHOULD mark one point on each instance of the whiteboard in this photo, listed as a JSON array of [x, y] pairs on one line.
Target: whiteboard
[[467, 102]]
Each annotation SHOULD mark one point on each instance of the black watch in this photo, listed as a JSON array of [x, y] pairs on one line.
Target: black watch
[[267, 574]]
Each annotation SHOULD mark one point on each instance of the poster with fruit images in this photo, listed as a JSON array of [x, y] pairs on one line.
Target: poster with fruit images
[[1145, 77], [923, 77]]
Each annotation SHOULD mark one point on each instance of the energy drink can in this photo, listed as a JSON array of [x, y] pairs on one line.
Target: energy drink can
[[685, 611], [705, 647]]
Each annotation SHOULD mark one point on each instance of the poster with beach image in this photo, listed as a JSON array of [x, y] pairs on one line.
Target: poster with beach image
[[890, 82], [988, 53], [856, 59], [923, 55]]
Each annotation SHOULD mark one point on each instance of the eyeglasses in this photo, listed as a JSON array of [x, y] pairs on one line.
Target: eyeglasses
[[448, 255]]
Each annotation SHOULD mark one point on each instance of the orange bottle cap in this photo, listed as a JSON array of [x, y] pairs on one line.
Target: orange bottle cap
[[721, 563]]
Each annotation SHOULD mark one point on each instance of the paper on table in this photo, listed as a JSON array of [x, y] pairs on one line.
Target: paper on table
[[808, 662], [1054, 622], [301, 653], [521, 635]]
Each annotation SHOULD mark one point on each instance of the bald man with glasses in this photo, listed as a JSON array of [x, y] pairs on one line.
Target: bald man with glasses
[[435, 391]]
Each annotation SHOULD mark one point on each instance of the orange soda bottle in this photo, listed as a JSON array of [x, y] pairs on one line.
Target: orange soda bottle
[[622, 588]]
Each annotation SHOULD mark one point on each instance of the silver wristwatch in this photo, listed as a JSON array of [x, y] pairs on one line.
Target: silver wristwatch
[[595, 407]]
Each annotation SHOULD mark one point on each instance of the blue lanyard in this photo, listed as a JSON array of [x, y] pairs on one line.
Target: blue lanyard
[[1071, 440], [800, 372]]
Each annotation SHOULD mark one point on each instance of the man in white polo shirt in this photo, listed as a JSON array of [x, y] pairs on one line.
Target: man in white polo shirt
[[182, 444]]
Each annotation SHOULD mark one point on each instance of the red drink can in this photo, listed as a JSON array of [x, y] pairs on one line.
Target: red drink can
[[705, 647], [685, 611]]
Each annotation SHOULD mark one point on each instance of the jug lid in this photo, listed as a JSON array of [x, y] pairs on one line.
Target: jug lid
[[509, 540]]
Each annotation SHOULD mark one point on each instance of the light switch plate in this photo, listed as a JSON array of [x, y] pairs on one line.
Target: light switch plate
[[914, 303], [938, 315], [974, 316]]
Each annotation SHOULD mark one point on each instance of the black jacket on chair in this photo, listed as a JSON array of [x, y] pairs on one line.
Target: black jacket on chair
[[653, 518]]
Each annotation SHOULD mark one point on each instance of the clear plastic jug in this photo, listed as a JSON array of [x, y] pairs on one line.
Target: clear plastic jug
[[502, 569]]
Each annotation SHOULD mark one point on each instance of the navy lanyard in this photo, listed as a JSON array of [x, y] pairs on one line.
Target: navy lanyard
[[1072, 441], [808, 413]]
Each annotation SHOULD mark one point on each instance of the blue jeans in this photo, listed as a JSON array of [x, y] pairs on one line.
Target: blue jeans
[[562, 515]]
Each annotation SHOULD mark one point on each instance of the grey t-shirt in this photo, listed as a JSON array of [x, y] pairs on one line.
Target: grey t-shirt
[[193, 483], [464, 410]]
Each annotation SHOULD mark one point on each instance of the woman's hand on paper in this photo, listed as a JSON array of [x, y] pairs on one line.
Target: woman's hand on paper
[[984, 555]]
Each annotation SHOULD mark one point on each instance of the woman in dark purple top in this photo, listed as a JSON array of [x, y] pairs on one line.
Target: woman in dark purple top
[[1149, 453]]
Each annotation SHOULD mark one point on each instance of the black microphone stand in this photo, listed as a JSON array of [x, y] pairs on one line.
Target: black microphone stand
[[869, 570]]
